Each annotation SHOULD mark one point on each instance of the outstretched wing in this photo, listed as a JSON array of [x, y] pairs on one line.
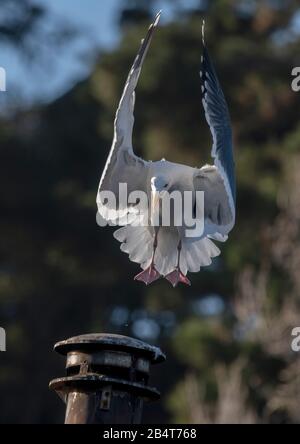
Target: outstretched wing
[[122, 165], [218, 183]]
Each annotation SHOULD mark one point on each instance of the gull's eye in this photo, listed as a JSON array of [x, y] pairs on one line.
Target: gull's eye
[[165, 186]]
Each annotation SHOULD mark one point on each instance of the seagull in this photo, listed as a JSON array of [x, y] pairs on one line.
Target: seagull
[[166, 251]]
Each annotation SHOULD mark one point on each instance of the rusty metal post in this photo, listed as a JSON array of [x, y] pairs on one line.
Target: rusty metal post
[[107, 378]]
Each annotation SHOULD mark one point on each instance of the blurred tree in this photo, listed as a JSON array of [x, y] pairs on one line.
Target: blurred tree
[[136, 11], [22, 25], [18, 19]]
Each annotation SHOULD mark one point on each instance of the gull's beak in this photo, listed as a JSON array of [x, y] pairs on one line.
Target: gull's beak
[[155, 195]]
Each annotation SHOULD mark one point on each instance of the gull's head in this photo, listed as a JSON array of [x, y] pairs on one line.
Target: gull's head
[[159, 184]]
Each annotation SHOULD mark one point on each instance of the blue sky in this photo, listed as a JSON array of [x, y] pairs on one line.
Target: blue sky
[[34, 81], [53, 75]]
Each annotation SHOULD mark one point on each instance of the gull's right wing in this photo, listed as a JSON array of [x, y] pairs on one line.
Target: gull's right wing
[[122, 165]]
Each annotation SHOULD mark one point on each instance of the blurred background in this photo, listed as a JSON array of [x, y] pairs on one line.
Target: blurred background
[[228, 337]]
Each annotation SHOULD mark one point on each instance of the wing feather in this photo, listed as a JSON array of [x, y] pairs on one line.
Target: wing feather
[[218, 181], [218, 119], [122, 165]]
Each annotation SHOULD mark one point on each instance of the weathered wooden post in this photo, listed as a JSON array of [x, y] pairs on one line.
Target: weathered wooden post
[[107, 378]]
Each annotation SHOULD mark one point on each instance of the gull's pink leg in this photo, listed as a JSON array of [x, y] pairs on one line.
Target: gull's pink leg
[[150, 274], [177, 276]]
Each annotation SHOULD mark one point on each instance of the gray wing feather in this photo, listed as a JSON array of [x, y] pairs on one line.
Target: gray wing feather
[[122, 165], [218, 119]]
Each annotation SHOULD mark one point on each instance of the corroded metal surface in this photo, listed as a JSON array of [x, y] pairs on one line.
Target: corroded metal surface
[[83, 408], [91, 382], [106, 358], [110, 342], [107, 378]]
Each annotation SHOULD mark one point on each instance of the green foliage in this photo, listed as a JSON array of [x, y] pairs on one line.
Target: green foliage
[[202, 344]]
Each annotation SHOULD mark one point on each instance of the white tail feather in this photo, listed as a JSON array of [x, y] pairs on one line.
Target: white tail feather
[[165, 259], [137, 242], [195, 255]]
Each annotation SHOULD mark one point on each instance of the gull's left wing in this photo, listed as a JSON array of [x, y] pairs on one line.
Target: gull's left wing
[[122, 165], [218, 182]]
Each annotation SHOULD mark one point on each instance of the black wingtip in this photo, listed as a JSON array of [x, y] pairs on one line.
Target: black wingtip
[[155, 22], [157, 18], [146, 42]]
